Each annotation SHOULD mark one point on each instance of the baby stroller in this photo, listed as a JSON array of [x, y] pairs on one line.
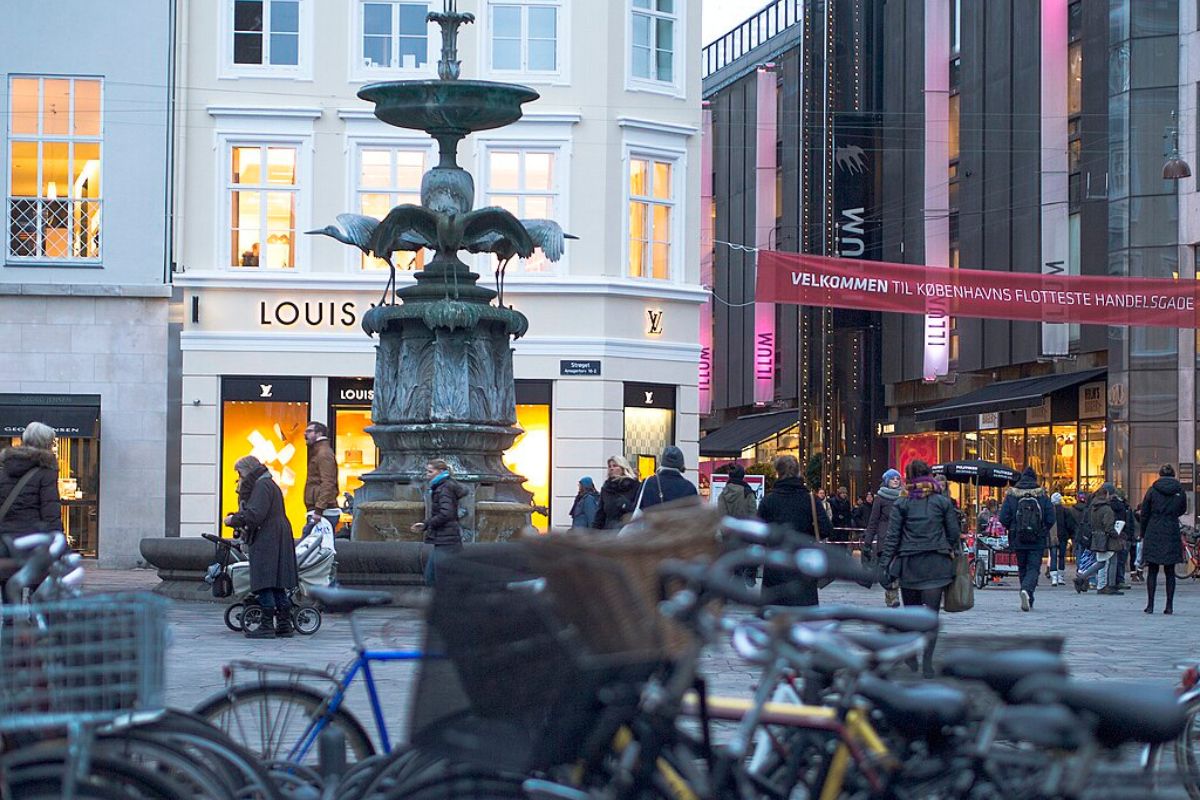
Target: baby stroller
[[230, 577]]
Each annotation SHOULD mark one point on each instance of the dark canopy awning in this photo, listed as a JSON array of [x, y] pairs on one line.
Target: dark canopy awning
[[731, 440], [1007, 395]]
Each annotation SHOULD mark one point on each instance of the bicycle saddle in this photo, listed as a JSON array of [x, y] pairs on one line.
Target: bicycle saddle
[[338, 601], [1002, 671], [904, 620], [1052, 727], [915, 710], [1124, 712]]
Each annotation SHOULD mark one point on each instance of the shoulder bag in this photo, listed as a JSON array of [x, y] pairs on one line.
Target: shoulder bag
[[16, 490], [960, 594]]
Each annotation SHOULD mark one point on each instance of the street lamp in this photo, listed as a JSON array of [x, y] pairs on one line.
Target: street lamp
[[1175, 167]]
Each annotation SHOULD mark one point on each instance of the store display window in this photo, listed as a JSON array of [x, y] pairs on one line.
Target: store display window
[[1012, 444], [530, 455], [265, 417], [649, 424], [349, 415], [1091, 455], [1063, 473], [76, 423]]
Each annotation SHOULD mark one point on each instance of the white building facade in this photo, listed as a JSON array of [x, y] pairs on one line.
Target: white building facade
[[84, 265], [273, 141]]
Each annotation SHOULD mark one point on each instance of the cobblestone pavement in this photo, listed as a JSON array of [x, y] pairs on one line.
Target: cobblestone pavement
[[1106, 638]]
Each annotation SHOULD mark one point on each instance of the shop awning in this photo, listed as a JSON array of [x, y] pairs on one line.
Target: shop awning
[[1007, 395], [69, 415], [731, 440]]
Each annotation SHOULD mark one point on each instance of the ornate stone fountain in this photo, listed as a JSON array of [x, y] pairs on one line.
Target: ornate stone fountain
[[443, 366]]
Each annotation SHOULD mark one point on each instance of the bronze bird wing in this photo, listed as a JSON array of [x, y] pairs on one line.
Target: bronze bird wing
[[485, 227], [358, 229], [548, 235], [406, 227]]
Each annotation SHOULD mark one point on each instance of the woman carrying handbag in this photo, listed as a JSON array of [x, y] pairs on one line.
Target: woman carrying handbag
[[922, 541]]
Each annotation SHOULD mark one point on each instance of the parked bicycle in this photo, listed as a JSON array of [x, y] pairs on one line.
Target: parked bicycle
[[1190, 566]]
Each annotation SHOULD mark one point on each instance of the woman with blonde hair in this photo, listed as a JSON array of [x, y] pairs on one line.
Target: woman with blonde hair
[[29, 485], [618, 495]]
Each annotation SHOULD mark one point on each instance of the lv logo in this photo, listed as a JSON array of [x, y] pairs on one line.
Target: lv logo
[[265, 389], [654, 321]]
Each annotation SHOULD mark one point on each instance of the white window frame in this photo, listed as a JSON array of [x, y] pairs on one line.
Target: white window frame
[[561, 76], [302, 70], [223, 242], [355, 145], [360, 72], [678, 161], [71, 139], [561, 153], [674, 87]]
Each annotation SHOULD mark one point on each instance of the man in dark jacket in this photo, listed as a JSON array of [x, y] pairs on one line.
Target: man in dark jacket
[[738, 500], [1128, 535], [35, 509], [840, 505], [789, 503], [321, 484], [440, 526], [1028, 515], [667, 484]]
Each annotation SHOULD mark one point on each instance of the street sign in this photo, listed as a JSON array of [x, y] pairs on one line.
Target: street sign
[[578, 367]]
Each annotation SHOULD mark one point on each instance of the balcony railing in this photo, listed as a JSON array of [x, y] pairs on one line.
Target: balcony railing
[[760, 28], [44, 229]]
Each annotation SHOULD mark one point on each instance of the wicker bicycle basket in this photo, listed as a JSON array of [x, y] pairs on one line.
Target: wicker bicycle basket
[[81, 660]]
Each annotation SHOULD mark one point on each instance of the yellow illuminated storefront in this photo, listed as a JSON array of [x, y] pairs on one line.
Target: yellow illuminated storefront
[[530, 454], [649, 424], [265, 417]]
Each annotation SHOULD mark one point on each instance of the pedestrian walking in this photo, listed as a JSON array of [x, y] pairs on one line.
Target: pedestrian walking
[[270, 547], [1028, 515], [823, 502], [321, 483], [618, 495], [1060, 536], [738, 500], [1103, 541], [862, 511], [586, 505], [923, 534], [1159, 512], [789, 503], [667, 485], [877, 527], [29, 486], [1127, 532], [440, 526], [985, 516], [839, 504]]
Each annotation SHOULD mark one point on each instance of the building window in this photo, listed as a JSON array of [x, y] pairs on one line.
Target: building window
[[523, 181], [651, 203], [524, 36], [54, 169], [653, 40], [393, 35], [266, 33], [262, 190], [388, 177]]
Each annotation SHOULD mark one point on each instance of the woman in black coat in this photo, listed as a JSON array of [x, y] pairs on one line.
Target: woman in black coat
[[441, 526], [789, 503], [1159, 514], [270, 546], [35, 509], [618, 495]]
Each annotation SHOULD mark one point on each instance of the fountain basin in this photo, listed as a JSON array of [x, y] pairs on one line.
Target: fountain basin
[[436, 106]]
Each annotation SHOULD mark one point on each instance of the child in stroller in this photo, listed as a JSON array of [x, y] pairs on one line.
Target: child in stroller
[[230, 577]]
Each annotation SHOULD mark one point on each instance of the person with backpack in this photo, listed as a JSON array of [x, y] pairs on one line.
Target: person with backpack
[[1028, 515]]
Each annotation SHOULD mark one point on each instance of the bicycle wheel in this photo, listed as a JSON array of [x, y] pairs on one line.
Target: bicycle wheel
[[1187, 751], [978, 575], [189, 776], [272, 719], [39, 771], [306, 619], [233, 617]]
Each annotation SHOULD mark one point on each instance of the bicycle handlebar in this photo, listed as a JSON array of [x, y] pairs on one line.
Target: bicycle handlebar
[[43, 549]]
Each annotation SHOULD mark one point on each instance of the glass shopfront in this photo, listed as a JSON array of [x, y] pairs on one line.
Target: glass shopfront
[[265, 417], [76, 421], [349, 415], [649, 424], [530, 454]]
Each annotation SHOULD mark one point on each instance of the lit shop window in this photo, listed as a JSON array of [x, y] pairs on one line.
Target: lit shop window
[[262, 193], [54, 169], [350, 414], [649, 424], [388, 177], [530, 454], [265, 418], [650, 208]]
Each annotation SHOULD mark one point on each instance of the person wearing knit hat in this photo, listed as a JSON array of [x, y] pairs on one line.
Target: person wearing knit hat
[[586, 505], [667, 484], [877, 525]]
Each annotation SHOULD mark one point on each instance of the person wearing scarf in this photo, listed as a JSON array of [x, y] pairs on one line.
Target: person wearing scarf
[[877, 525], [923, 532], [440, 526]]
